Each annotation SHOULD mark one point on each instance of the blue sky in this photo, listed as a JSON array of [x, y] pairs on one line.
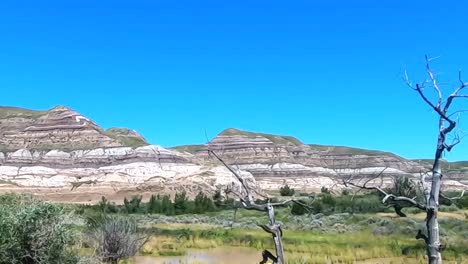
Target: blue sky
[[327, 72]]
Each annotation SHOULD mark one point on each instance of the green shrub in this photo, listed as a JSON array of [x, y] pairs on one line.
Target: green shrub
[[32, 231], [155, 204], [181, 203], [203, 203], [286, 191], [298, 209], [106, 207], [463, 202], [167, 207], [324, 190], [134, 205]]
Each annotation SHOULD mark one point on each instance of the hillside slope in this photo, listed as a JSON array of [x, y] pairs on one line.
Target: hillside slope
[[61, 154], [275, 160], [58, 128]]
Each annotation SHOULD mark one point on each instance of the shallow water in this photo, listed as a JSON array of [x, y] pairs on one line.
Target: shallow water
[[220, 255], [236, 255]]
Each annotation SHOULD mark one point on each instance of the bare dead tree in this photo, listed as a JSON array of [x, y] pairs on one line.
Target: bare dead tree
[[431, 188], [247, 200]]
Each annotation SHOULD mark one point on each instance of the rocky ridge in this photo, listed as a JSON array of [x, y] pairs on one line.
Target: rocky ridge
[[63, 155], [86, 175], [275, 160], [58, 128]]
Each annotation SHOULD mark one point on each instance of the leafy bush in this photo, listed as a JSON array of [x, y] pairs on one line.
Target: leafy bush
[[106, 207], [203, 203], [286, 191], [324, 190], [298, 209], [181, 203], [155, 204], [167, 207], [218, 199], [404, 186], [32, 231], [134, 205], [327, 203], [463, 201], [449, 208]]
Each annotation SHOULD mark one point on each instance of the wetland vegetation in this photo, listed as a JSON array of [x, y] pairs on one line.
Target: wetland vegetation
[[338, 229]]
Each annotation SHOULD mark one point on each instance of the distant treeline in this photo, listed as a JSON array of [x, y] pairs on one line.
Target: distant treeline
[[163, 204], [324, 202]]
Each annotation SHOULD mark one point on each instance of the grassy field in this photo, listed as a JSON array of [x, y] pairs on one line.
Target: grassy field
[[345, 239], [335, 230]]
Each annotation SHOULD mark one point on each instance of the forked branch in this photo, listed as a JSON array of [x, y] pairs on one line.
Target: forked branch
[[248, 203], [397, 201]]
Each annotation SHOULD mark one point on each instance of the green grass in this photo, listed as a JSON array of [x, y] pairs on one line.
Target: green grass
[[119, 134], [288, 140], [360, 240], [276, 139], [461, 166], [342, 150], [312, 246], [123, 135], [189, 148], [10, 112], [8, 182]]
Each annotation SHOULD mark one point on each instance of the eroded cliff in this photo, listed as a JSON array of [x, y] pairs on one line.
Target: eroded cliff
[[62, 155]]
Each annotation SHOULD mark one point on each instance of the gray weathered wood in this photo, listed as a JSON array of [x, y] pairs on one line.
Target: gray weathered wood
[[273, 228]]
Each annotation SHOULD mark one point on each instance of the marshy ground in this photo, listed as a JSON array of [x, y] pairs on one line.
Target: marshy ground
[[336, 238]]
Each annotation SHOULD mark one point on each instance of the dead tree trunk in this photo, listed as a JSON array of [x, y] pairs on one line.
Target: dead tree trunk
[[430, 202], [446, 125], [433, 246], [273, 228], [277, 234]]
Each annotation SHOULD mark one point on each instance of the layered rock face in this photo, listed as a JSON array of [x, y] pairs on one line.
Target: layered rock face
[[86, 175], [276, 160], [57, 128], [62, 155]]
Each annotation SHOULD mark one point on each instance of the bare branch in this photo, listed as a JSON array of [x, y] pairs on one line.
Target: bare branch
[[239, 178], [452, 199], [455, 142], [391, 198], [422, 236], [268, 255], [455, 94], [249, 204], [458, 112], [435, 85], [432, 239]]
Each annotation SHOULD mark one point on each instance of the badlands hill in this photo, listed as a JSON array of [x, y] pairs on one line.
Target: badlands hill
[[59, 128], [274, 160], [61, 155]]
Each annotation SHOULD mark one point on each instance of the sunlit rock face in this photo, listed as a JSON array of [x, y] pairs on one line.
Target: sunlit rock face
[[86, 175], [57, 128], [61, 155], [277, 160]]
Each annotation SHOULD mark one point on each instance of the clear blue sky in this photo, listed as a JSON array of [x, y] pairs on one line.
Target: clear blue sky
[[327, 72]]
